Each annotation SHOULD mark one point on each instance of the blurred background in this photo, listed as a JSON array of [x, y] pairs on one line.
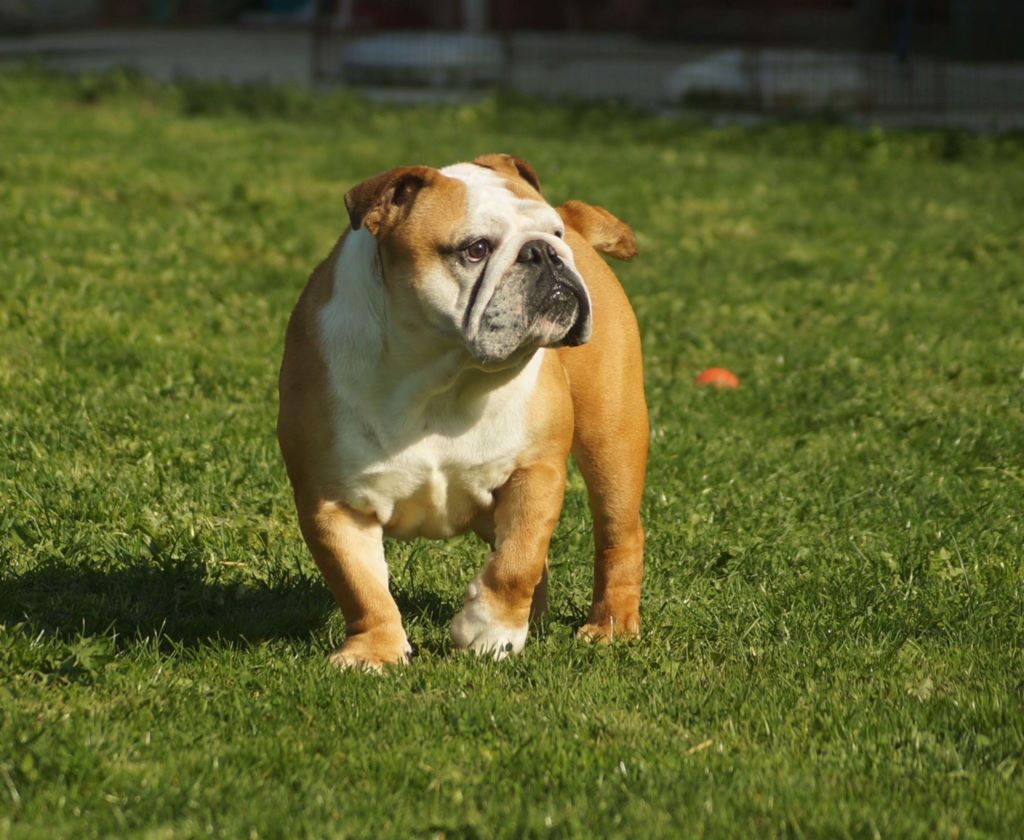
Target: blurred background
[[896, 61]]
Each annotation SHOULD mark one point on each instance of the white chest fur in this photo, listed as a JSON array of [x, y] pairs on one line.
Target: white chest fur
[[420, 446], [426, 480]]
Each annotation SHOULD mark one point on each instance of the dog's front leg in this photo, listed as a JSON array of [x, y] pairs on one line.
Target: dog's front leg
[[349, 549], [495, 616]]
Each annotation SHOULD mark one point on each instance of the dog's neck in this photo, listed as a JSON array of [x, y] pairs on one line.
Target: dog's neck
[[397, 373]]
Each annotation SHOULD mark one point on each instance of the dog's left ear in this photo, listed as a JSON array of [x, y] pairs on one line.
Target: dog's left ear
[[380, 202], [511, 165]]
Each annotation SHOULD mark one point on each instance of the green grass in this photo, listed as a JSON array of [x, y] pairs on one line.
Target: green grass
[[833, 610]]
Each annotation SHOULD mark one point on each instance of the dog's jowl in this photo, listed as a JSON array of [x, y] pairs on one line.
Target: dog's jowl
[[460, 341]]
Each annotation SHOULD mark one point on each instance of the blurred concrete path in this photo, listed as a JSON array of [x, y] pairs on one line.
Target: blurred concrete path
[[239, 55], [591, 66]]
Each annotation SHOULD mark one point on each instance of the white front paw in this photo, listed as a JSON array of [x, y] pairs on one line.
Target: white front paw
[[475, 628]]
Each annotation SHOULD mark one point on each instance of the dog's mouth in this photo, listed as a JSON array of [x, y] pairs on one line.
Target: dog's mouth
[[565, 305], [553, 312], [538, 301]]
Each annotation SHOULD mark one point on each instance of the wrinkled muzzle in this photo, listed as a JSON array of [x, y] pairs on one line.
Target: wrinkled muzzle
[[539, 300]]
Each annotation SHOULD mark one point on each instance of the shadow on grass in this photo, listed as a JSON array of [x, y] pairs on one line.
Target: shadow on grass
[[429, 607], [175, 602]]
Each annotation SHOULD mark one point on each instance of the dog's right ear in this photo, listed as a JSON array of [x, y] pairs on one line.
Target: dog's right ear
[[382, 201], [605, 232]]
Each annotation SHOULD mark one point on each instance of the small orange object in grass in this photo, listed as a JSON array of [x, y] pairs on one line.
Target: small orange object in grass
[[718, 378]]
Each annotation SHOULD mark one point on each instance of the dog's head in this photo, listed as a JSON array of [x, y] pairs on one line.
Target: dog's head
[[476, 252]]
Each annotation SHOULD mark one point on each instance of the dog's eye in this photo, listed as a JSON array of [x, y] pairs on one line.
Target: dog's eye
[[476, 251], [559, 233]]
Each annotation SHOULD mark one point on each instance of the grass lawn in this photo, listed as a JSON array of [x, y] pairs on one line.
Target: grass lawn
[[834, 607]]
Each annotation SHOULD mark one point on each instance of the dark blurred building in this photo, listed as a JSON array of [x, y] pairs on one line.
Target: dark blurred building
[[916, 60], [964, 29], [770, 55], [972, 29]]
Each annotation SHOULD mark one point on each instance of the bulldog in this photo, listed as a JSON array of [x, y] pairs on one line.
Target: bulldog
[[460, 340]]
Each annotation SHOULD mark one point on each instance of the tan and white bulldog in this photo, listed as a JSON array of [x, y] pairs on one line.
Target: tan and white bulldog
[[462, 338]]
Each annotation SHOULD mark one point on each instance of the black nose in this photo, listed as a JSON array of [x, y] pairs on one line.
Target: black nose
[[538, 251]]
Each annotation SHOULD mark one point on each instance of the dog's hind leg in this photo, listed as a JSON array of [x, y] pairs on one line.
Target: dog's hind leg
[[613, 460], [611, 437]]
